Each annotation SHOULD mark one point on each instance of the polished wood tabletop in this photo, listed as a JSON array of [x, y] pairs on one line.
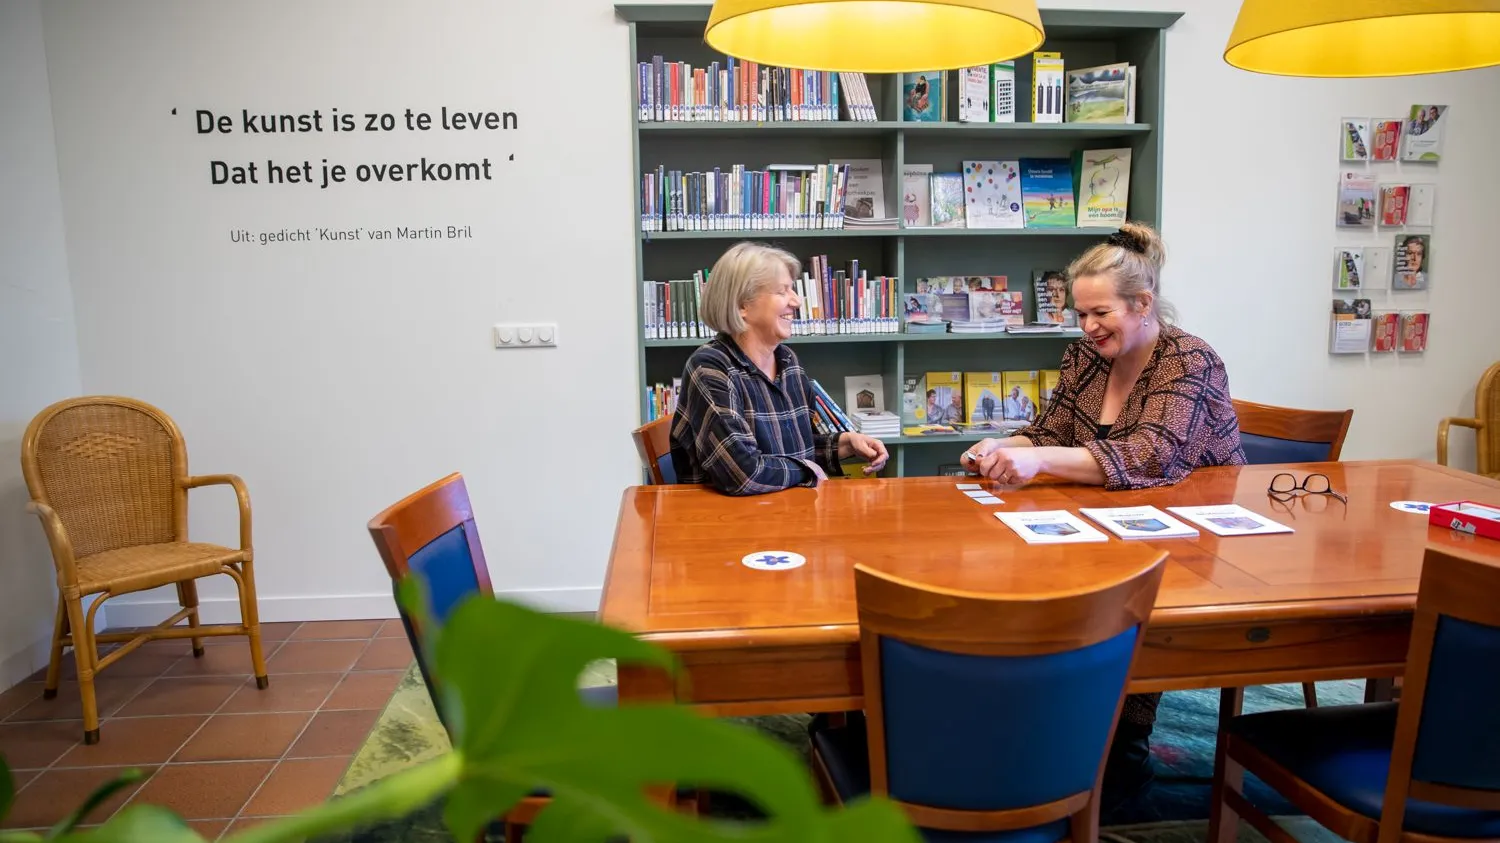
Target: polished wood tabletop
[[1347, 573]]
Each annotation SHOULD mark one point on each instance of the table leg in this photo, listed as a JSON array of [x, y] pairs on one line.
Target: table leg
[[1223, 822]]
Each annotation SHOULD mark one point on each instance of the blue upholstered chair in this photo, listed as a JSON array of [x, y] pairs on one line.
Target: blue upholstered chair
[[431, 535], [1282, 434], [1272, 434], [987, 717], [1426, 768], [653, 441]]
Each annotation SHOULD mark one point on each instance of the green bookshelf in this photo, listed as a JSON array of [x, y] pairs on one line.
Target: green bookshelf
[[1085, 39]]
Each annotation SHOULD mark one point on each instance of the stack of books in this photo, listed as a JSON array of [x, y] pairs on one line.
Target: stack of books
[[878, 423]]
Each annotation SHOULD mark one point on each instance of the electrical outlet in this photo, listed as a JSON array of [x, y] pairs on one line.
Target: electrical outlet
[[543, 335]]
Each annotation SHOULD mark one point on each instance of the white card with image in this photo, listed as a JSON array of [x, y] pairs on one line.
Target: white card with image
[[1230, 520], [1139, 522], [1056, 526]]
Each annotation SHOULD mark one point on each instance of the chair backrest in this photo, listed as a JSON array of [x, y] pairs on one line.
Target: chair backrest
[[1487, 411], [653, 441], [114, 470], [992, 712], [430, 534], [1282, 434], [1447, 744]]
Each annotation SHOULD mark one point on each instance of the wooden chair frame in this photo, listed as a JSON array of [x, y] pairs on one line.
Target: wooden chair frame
[[1329, 426], [991, 625], [1486, 460], [653, 440], [73, 625], [1454, 585], [1289, 423]]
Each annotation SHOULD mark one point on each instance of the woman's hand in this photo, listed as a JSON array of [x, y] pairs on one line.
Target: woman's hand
[[982, 448], [859, 445], [1011, 466]]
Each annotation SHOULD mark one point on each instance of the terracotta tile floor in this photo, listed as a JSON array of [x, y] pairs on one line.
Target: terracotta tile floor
[[216, 750]]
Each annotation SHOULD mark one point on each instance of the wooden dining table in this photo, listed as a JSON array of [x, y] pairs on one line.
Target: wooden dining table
[[1330, 600]]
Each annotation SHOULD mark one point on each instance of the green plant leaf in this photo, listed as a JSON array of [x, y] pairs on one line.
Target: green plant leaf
[[508, 681], [94, 800], [138, 824], [7, 788]]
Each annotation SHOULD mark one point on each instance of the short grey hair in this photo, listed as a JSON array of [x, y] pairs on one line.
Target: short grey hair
[[741, 274]]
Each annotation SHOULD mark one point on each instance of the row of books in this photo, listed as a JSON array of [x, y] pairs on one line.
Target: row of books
[[833, 301], [963, 402], [1399, 267], [1363, 202], [987, 93], [1089, 189], [733, 90], [967, 303], [1357, 328], [778, 198]]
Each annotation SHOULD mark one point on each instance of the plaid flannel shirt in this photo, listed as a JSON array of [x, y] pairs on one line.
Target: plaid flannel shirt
[[743, 433]]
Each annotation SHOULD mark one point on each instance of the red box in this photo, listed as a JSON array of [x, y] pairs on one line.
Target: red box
[[1470, 517]]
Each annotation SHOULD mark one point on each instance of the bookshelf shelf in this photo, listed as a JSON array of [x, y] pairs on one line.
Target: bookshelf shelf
[[1085, 38], [796, 128], [779, 234]]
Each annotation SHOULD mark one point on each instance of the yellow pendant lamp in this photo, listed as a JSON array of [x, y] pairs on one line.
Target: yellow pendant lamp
[[875, 36], [1354, 38]]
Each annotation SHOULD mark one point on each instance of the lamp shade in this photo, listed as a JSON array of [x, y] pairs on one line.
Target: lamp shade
[[874, 36], [1349, 38]]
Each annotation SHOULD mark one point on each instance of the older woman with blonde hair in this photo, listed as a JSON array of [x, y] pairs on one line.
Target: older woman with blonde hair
[[743, 422]]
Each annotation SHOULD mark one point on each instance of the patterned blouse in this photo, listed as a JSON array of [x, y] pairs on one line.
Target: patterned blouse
[[1177, 417], [741, 432]]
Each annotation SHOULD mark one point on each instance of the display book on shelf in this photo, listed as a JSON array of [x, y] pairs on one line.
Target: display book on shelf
[[1386, 199], [861, 274]]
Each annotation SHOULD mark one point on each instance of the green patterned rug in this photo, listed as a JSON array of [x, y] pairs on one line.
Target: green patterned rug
[[1176, 810]]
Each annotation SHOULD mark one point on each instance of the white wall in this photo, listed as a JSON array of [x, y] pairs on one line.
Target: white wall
[[38, 344], [337, 377]]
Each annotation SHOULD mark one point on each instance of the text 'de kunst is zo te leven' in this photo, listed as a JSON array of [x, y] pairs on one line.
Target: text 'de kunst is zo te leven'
[[318, 172]]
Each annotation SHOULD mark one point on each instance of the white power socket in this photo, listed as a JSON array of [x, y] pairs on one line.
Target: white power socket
[[542, 335]]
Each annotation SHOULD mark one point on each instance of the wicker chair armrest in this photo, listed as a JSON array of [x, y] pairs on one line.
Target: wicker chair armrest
[[1442, 436], [57, 539], [241, 494]]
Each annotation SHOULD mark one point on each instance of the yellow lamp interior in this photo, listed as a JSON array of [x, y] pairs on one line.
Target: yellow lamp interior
[[874, 36], [1391, 46]]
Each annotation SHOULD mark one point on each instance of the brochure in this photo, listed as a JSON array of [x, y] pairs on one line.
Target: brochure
[[1139, 522], [1051, 527], [1230, 520]]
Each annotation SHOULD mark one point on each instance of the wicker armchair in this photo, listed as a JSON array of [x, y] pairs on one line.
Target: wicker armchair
[[108, 478], [1485, 423]]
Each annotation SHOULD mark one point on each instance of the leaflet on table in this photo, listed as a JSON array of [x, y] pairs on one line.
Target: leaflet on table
[[1229, 520], [1051, 527], [1139, 522]]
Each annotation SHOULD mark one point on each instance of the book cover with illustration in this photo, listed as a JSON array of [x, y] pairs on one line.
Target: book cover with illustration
[[983, 398], [974, 94], [864, 196], [913, 407], [1356, 200], [1003, 92], [1054, 304], [1098, 94], [923, 97], [1047, 93], [992, 194], [947, 200], [1413, 257], [1386, 135], [916, 195], [1022, 395], [1102, 177], [1386, 328], [1047, 192], [1355, 141], [1349, 268], [944, 399], [1423, 139], [1414, 328]]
